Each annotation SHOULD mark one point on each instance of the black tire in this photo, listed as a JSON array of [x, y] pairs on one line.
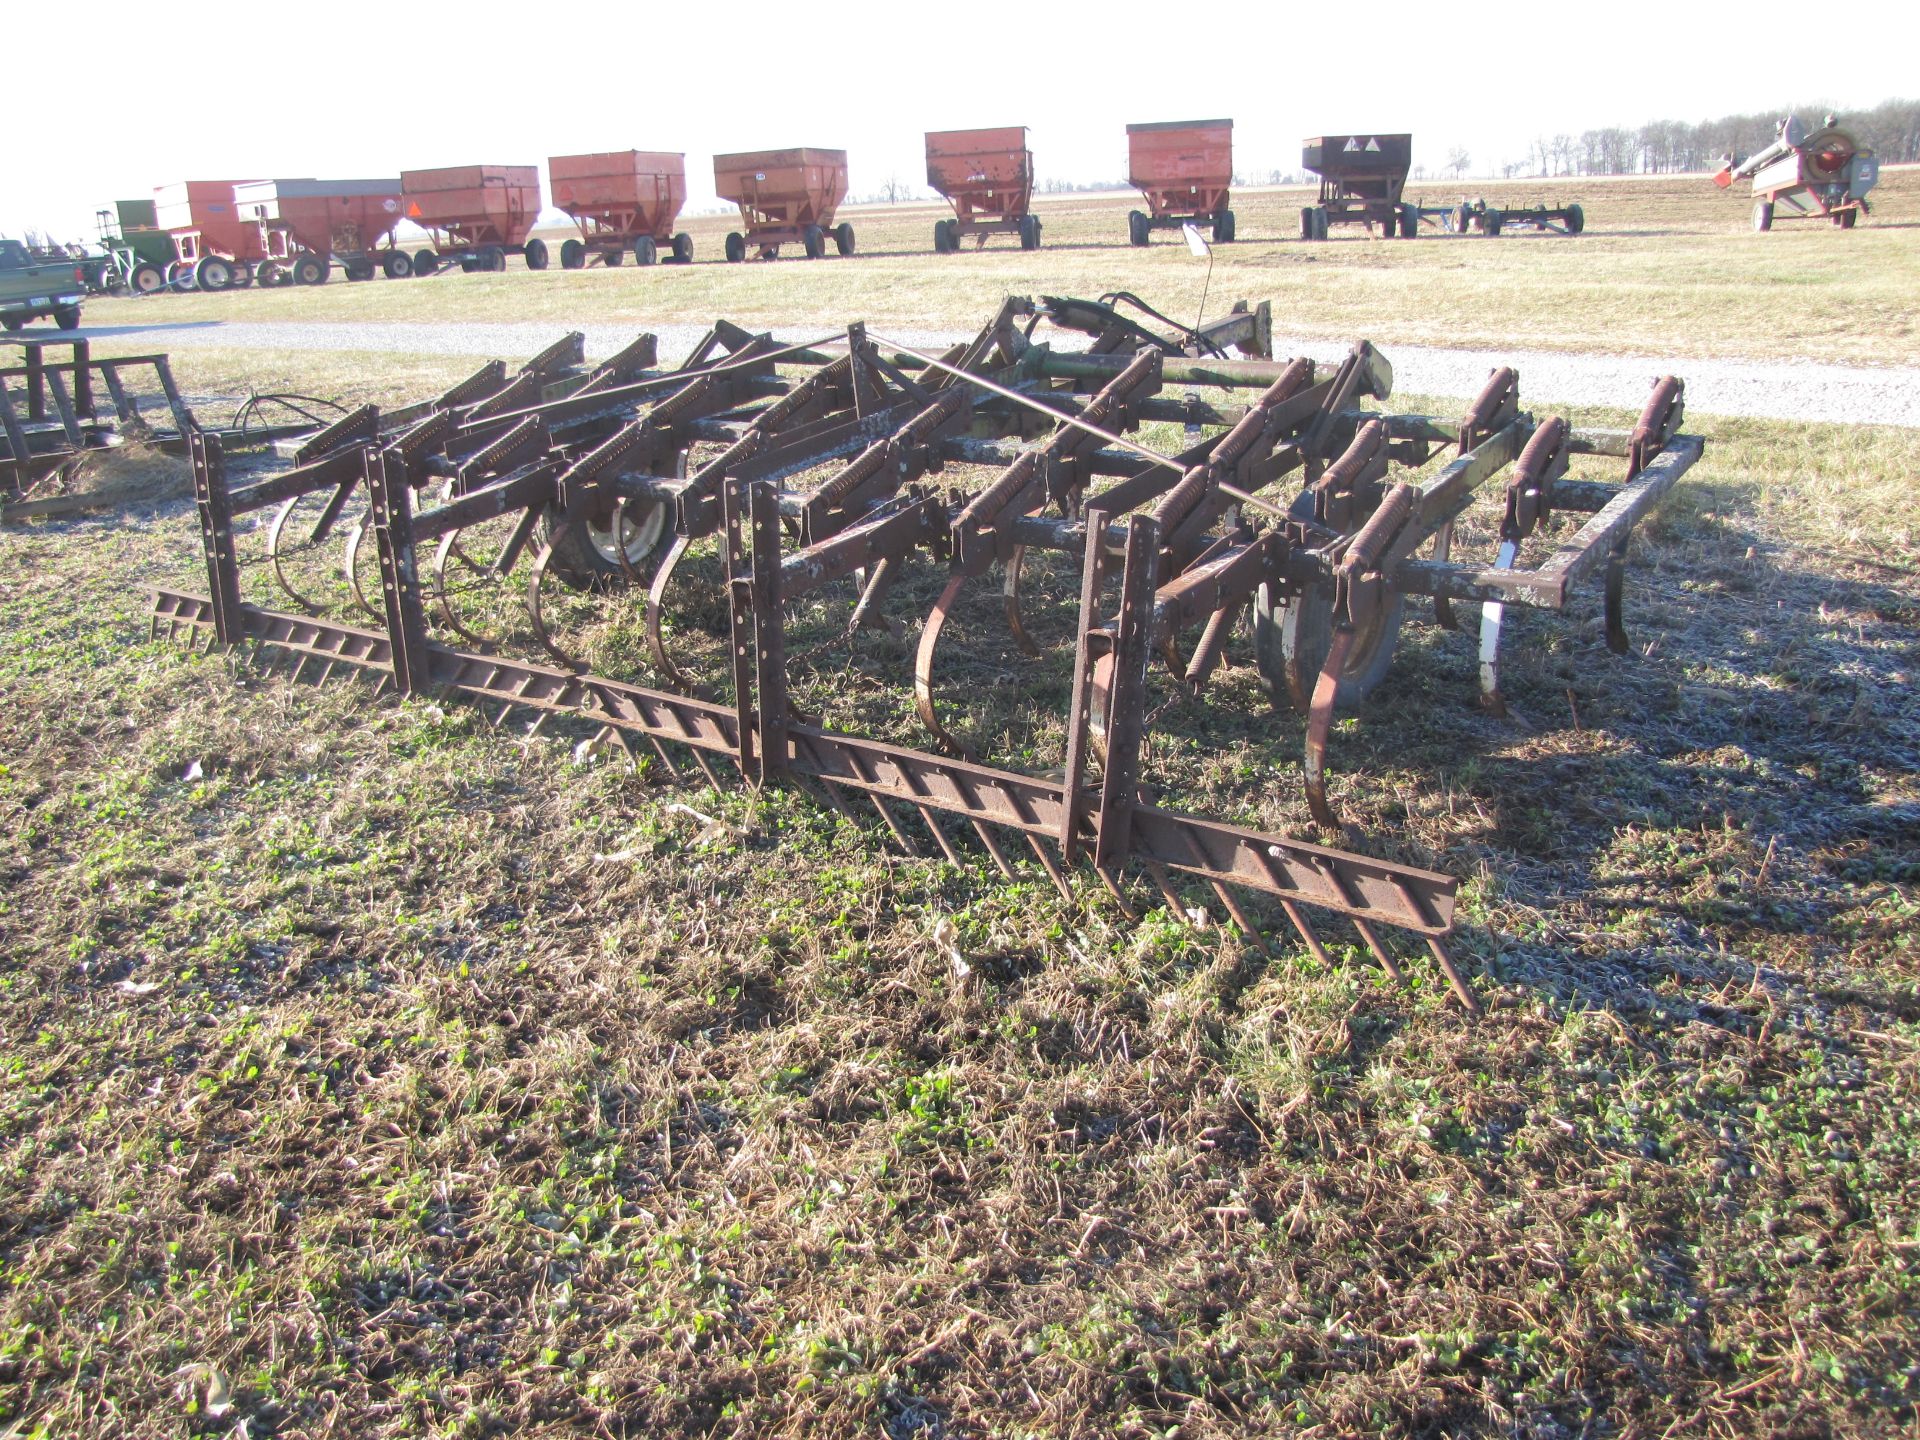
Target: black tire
[[1139, 228], [573, 255], [492, 258], [396, 265], [1389, 224], [1223, 227], [243, 274], [11, 323], [1409, 222], [1847, 219], [147, 279], [736, 248], [536, 254], [180, 277], [939, 237], [1320, 222], [1306, 222], [425, 262], [814, 241], [1029, 232], [1576, 220], [310, 269], [358, 269], [1304, 627], [67, 317], [468, 264], [683, 249], [213, 274], [843, 237], [1494, 222], [646, 250], [585, 557]]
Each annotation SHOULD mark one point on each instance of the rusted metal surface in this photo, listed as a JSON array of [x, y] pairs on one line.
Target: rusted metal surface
[[476, 214], [800, 467], [1184, 171], [987, 176], [786, 197], [623, 201]]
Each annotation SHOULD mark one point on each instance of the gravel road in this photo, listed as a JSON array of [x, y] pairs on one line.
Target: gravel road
[[1768, 389]]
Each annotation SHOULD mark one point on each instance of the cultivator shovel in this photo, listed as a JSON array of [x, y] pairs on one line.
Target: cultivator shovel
[[791, 471]]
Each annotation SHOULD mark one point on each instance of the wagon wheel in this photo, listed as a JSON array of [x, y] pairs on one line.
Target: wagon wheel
[[243, 275], [646, 251], [1576, 220], [1030, 232], [814, 240], [396, 265], [573, 255], [425, 262], [940, 246], [147, 279], [615, 256], [843, 237], [683, 248], [180, 277], [1139, 229], [535, 254], [736, 248], [67, 317]]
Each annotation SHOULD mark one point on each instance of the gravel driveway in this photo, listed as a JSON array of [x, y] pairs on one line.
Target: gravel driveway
[[1768, 389]]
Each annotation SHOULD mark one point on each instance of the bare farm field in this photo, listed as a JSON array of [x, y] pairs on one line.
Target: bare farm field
[[367, 1069]]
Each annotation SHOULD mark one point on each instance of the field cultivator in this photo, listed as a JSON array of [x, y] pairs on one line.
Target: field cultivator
[[477, 215], [786, 197], [765, 516], [623, 200], [987, 176], [55, 412], [1362, 178], [1184, 171]]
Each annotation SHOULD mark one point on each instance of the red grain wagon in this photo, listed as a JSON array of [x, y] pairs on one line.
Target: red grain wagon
[[208, 232], [477, 214], [621, 199], [1184, 169], [785, 196], [987, 175], [308, 225]]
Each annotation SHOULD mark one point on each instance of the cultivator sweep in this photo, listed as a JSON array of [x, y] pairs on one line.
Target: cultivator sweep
[[766, 475]]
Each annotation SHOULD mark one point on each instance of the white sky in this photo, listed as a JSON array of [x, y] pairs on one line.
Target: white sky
[[129, 100]]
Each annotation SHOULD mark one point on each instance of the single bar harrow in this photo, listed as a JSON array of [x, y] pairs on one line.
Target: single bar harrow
[[774, 477]]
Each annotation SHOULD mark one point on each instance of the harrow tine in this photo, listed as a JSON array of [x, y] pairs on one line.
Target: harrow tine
[[992, 845], [1616, 586], [1443, 612], [1308, 936], [1010, 594], [656, 640], [1320, 725], [1380, 951], [906, 841], [1240, 917], [1462, 991], [1050, 865], [923, 668], [1164, 883], [1113, 888], [940, 835]]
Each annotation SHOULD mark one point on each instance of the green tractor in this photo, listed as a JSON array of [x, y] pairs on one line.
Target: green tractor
[[135, 252]]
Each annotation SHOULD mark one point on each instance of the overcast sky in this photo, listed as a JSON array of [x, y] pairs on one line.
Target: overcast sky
[[108, 107]]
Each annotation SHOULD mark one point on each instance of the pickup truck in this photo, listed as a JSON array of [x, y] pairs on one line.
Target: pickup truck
[[30, 288]]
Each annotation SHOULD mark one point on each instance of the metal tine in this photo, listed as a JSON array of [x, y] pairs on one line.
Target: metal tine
[[985, 833], [946, 845], [838, 800], [1119, 895], [1380, 953], [1050, 865], [906, 841], [1164, 883], [1308, 936], [707, 770], [1240, 917], [666, 760], [1460, 988]]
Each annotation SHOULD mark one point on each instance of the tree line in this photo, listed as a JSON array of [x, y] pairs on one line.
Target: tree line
[[1891, 129]]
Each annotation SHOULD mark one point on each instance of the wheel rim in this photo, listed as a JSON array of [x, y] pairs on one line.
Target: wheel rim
[[638, 534]]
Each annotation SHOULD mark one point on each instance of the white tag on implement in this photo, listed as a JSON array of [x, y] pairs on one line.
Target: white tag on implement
[[1194, 242]]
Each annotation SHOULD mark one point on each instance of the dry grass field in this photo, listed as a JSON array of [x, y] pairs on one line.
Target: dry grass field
[[366, 1071]]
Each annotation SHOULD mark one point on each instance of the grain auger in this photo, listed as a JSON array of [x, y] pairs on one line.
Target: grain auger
[[797, 467]]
